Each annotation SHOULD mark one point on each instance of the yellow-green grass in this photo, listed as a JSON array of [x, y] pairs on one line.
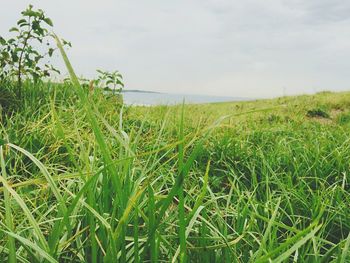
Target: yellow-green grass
[[85, 179]]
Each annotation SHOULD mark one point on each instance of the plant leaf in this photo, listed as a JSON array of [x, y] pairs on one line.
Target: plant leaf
[[48, 21]]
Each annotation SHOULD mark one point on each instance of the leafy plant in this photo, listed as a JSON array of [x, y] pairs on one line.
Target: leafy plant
[[26, 54], [110, 80], [317, 112]]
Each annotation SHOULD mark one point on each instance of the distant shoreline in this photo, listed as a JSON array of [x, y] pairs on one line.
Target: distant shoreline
[[186, 95], [141, 91]]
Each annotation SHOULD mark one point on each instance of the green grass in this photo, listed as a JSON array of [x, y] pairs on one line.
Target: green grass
[[86, 180]]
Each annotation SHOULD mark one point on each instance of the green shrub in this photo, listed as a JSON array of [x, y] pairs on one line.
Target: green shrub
[[20, 56], [317, 113]]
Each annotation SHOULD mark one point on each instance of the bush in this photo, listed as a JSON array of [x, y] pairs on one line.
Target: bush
[[318, 112], [20, 56]]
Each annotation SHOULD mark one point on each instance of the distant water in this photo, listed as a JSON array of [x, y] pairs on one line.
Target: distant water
[[150, 98]]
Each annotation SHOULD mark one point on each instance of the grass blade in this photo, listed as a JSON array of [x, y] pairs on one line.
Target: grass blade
[[27, 212], [8, 212], [345, 254], [33, 246]]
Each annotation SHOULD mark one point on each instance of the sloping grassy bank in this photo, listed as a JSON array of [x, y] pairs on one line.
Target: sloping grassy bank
[[91, 181]]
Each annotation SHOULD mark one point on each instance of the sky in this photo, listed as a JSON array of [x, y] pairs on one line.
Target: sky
[[249, 48]]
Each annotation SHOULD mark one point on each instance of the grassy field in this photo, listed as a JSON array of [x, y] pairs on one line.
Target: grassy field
[[84, 179]]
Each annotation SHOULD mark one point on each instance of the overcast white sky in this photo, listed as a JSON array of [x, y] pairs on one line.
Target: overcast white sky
[[250, 48]]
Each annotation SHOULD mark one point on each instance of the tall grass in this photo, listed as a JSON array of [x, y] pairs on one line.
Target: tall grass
[[83, 180]]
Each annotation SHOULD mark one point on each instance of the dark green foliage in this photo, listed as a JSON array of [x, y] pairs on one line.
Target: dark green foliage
[[8, 99], [317, 113], [26, 55]]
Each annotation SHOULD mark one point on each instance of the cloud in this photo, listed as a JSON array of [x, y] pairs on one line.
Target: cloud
[[322, 11], [220, 47]]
